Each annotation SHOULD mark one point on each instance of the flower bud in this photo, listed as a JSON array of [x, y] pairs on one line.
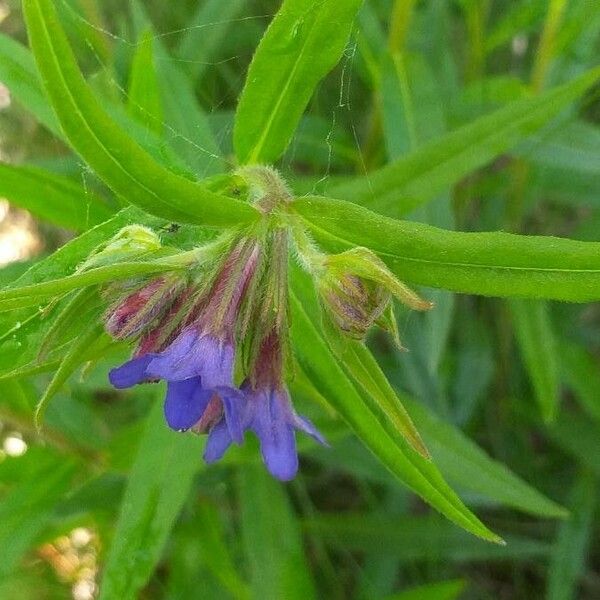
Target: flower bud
[[356, 288], [133, 313], [130, 242], [354, 304]]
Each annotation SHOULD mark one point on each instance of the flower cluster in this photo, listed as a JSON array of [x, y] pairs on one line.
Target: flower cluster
[[219, 337]]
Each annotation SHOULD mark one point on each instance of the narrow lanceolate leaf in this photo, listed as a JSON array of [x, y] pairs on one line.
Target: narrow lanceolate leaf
[[215, 553], [535, 338], [417, 538], [319, 363], [204, 35], [28, 508], [401, 186], [443, 590], [466, 465], [303, 43], [272, 540], [363, 368], [92, 277], [128, 169], [18, 72], [489, 264], [72, 359], [159, 484], [570, 549], [53, 198], [579, 368], [143, 96]]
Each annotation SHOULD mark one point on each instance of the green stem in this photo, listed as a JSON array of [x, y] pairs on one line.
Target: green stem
[[402, 13], [547, 45], [476, 17]]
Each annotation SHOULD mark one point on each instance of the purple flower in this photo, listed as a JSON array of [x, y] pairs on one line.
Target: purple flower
[[198, 368], [268, 413], [198, 363], [193, 348]]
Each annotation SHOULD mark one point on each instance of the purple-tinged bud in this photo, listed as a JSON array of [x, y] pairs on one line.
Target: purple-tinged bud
[[354, 304], [356, 288], [133, 314]]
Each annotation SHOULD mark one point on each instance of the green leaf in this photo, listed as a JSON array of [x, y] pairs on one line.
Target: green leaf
[[205, 33], [489, 264], [19, 73], [443, 590], [187, 127], [468, 466], [60, 286], [302, 44], [143, 97], [128, 169], [569, 555], [158, 486], [578, 435], [319, 363], [27, 508], [413, 112], [72, 359], [539, 351], [580, 372], [22, 334], [401, 186], [53, 198], [215, 554], [416, 538], [363, 368], [272, 539]]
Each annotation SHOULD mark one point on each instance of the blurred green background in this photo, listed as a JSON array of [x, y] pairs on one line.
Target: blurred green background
[[505, 393]]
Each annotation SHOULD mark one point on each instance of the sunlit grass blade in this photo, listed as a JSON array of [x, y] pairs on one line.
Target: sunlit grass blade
[[363, 368], [489, 264], [443, 590], [302, 44], [128, 169]]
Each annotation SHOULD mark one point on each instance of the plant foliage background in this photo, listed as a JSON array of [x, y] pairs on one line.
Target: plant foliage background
[[407, 127]]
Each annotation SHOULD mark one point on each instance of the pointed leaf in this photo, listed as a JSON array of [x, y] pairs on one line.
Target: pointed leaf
[[302, 44], [570, 552], [401, 186], [53, 198], [158, 486], [490, 264], [272, 540], [319, 363], [128, 169], [535, 338], [468, 466]]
